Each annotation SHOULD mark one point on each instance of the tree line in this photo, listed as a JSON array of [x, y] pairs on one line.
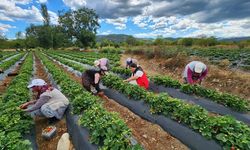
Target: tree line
[[75, 28]]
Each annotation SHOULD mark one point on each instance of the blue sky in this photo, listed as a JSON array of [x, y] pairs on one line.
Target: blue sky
[[140, 18]]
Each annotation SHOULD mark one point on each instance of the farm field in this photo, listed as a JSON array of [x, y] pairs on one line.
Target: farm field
[[223, 75], [124, 75], [165, 113]]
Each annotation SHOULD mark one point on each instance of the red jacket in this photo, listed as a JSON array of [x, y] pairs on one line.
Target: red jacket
[[142, 81]]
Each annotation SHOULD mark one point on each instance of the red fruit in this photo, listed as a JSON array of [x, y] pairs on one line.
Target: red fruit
[[232, 148]]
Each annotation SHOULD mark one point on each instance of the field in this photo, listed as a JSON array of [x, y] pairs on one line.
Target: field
[[170, 115]]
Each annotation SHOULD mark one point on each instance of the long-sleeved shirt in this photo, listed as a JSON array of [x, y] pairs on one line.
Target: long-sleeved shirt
[[42, 100], [189, 71]]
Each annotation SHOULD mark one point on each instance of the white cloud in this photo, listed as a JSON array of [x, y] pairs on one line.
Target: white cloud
[[233, 28], [166, 32], [5, 27], [23, 2], [179, 27], [75, 4], [5, 18], [158, 23], [53, 17], [2, 34], [137, 2], [120, 23], [11, 12], [42, 1], [105, 32], [184, 24], [141, 21]]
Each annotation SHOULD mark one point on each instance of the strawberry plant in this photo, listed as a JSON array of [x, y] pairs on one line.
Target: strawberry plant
[[5, 65], [229, 100], [133, 91], [197, 118], [121, 70], [106, 129], [166, 81], [7, 55], [225, 99], [14, 122]]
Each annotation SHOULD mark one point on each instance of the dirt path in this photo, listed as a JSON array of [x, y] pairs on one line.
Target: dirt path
[[42, 123], [224, 80], [151, 136], [5, 83]]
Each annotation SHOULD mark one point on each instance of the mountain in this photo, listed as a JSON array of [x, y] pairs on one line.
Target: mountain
[[118, 38], [236, 39], [112, 37], [122, 38]]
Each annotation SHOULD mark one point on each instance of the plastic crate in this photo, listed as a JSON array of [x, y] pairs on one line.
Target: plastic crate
[[49, 132]]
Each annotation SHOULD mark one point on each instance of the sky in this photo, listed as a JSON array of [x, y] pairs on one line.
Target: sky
[[140, 18]]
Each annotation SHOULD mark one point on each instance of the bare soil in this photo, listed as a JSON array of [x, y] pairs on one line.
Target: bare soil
[[41, 122], [222, 79], [149, 135]]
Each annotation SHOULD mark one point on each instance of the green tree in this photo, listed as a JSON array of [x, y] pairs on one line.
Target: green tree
[[211, 41], [3, 41], [32, 36], [106, 42], [60, 39], [45, 14], [81, 24], [159, 41], [131, 40], [185, 42], [39, 36]]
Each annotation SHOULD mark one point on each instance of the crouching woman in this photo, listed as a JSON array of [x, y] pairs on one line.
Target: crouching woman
[[50, 102]]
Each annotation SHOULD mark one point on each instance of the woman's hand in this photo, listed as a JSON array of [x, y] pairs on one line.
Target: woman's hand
[[24, 106]]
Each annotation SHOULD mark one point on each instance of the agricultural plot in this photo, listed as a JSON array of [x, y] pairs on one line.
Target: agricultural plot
[[5, 55], [15, 124], [237, 58], [187, 112], [133, 123], [200, 118]]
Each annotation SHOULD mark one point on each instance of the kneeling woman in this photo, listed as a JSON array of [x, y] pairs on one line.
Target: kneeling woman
[[138, 77]]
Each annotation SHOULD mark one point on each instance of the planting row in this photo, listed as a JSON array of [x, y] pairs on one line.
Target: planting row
[[229, 100], [107, 129], [174, 83], [14, 123], [6, 55], [228, 131], [86, 59], [92, 56], [226, 99], [214, 107], [5, 65]]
